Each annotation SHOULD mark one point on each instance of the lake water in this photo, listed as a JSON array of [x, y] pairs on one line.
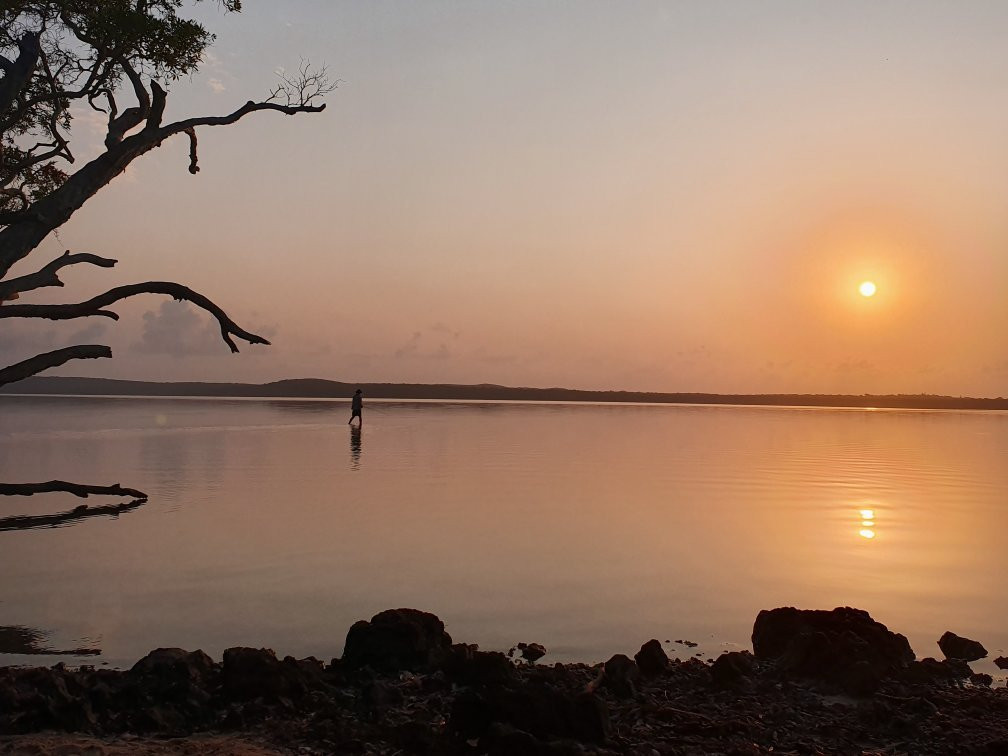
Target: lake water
[[587, 528]]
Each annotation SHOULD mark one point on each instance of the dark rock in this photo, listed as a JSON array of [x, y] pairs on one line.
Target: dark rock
[[532, 652], [957, 647], [378, 696], [827, 645], [175, 666], [981, 679], [471, 715], [928, 671], [416, 737], [467, 665], [160, 718], [651, 659], [732, 668], [397, 639], [621, 675], [310, 669], [505, 740], [591, 721], [251, 673], [859, 678], [996, 747], [1001, 662], [541, 710]]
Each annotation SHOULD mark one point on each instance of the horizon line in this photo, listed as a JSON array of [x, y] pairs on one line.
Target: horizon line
[[944, 400]]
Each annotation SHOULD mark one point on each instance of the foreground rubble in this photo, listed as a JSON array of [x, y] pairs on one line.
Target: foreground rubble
[[833, 682]]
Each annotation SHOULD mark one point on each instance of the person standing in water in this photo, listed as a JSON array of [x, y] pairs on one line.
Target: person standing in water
[[356, 404]]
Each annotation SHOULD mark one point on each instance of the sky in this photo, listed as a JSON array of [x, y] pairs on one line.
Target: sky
[[658, 196]]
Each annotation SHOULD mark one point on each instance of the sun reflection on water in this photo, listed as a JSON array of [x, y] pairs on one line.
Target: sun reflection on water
[[867, 530]]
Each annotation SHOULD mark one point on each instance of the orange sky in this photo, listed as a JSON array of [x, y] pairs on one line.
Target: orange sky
[[655, 196]]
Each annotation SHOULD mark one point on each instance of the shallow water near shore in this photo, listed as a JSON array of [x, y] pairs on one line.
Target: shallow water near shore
[[587, 528]]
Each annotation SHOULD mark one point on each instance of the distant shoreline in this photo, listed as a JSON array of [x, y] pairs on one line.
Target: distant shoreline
[[318, 388]]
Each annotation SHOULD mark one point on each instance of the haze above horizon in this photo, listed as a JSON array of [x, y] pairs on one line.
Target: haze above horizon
[[660, 197]]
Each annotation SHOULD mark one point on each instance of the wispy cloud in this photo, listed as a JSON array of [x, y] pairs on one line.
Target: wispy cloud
[[178, 329], [447, 330], [854, 366], [417, 347]]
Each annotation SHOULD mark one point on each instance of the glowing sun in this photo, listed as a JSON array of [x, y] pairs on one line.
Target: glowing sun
[[867, 289]]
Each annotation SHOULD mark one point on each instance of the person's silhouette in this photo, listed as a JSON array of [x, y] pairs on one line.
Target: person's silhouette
[[356, 405]]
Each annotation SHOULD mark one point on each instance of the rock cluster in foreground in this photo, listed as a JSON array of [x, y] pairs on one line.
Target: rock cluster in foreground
[[817, 682]]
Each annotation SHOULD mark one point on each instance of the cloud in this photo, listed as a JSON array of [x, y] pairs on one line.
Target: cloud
[[218, 73], [178, 329], [25, 340], [861, 366], [414, 348], [89, 334], [33, 337], [442, 328], [411, 347]]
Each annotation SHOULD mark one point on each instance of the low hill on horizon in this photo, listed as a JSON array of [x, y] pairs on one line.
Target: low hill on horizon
[[321, 388]]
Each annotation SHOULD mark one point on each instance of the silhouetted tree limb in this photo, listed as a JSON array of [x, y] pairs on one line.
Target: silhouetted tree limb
[[40, 362], [95, 305], [18, 239], [27, 522], [47, 276], [19, 71], [61, 486], [121, 54]]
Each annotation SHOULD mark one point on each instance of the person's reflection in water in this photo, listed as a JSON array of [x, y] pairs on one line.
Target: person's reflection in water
[[355, 447]]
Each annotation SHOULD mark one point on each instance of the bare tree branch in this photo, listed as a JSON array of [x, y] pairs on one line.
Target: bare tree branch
[[157, 107], [19, 72], [61, 486], [59, 140], [193, 155], [41, 362], [131, 117], [304, 87], [95, 306], [227, 120], [48, 275], [50, 212]]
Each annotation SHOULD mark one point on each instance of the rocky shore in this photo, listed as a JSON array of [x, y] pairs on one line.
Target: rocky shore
[[817, 682]]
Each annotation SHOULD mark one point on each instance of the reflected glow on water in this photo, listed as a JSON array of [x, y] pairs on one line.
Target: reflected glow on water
[[867, 524], [588, 528]]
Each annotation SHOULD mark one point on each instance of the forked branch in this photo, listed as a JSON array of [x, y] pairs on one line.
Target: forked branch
[[47, 276], [40, 362], [95, 306]]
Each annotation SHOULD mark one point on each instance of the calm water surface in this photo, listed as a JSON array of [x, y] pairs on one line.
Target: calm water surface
[[588, 528]]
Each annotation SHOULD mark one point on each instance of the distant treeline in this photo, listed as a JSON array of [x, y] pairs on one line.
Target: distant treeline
[[320, 388]]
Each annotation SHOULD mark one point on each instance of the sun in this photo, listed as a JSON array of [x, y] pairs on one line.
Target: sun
[[867, 289]]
